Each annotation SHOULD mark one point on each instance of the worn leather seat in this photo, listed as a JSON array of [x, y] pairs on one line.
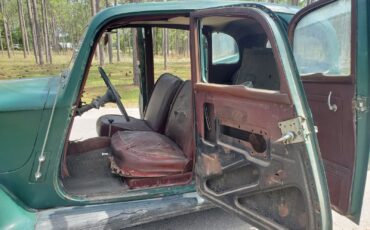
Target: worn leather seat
[[156, 112], [151, 154]]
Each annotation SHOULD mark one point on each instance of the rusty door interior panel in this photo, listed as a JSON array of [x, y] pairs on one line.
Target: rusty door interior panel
[[240, 167]]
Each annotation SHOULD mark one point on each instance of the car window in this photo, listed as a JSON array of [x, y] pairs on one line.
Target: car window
[[322, 41], [224, 49]]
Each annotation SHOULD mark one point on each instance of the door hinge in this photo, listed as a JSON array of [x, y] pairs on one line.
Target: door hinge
[[40, 167], [41, 159], [293, 131], [361, 104]]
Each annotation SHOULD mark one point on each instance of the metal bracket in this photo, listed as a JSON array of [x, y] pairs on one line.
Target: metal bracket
[[292, 131], [41, 160], [361, 104]]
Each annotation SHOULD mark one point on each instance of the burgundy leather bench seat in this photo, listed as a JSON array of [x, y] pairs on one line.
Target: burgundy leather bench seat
[[155, 114], [147, 154], [141, 155]]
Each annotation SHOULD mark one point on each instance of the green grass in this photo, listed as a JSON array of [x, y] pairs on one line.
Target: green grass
[[120, 73]]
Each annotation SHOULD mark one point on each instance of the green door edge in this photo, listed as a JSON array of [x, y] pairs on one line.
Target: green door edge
[[362, 118], [303, 110]]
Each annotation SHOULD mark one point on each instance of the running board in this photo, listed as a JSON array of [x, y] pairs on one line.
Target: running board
[[122, 214]]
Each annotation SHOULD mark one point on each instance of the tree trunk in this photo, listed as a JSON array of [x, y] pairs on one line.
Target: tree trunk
[[33, 29], [165, 47], [1, 42], [38, 32], [101, 46], [6, 28], [25, 31], [46, 32], [93, 12], [136, 69], [110, 49], [118, 45], [118, 42], [177, 46], [154, 40], [10, 29], [186, 45], [20, 14], [54, 33]]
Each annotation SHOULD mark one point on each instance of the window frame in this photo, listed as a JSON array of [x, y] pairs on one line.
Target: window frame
[[282, 95]]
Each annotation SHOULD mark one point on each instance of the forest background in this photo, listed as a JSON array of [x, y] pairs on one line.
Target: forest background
[[37, 38]]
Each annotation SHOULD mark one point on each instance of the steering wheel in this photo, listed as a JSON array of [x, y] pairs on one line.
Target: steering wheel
[[114, 92]]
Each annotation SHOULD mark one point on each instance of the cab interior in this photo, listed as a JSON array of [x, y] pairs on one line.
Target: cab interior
[[158, 149]]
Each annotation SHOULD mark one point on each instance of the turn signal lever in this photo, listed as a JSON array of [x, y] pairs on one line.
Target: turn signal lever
[[96, 103]]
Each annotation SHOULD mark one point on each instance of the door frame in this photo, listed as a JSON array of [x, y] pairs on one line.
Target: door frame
[[358, 77]]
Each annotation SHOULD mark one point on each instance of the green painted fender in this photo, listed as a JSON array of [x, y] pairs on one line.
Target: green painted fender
[[13, 215]]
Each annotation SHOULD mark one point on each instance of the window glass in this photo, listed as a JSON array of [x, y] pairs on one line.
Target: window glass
[[322, 41], [224, 49]]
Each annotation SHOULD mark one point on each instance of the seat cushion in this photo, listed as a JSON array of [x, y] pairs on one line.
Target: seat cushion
[[119, 123], [146, 154]]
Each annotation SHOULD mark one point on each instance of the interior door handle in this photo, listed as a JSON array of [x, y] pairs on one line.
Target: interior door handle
[[332, 107]]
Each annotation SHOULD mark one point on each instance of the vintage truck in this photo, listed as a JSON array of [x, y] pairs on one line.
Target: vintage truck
[[273, 125]]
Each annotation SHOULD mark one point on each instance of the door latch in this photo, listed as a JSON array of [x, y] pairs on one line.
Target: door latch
[[292, 131], [361, 104]]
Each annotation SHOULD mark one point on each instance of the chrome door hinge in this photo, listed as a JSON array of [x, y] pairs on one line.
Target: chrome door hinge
[[40, 167], [41, 160], [293, 131], [361, 104]]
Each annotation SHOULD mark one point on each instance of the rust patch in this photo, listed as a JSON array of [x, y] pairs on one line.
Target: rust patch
[[276, 178], [115, 169], [211, 164], [283, 209]]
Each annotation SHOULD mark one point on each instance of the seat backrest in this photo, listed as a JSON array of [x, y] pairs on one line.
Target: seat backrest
[[160, 101], [258, 70], [179, 125]]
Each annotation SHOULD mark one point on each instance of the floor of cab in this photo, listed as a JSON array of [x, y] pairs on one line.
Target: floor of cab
[[90, 175]]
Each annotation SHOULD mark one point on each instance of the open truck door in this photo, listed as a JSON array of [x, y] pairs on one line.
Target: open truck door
[[330, 46], [257, 151]]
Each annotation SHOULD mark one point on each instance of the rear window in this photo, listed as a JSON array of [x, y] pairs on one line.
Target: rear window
[[224, 49]]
